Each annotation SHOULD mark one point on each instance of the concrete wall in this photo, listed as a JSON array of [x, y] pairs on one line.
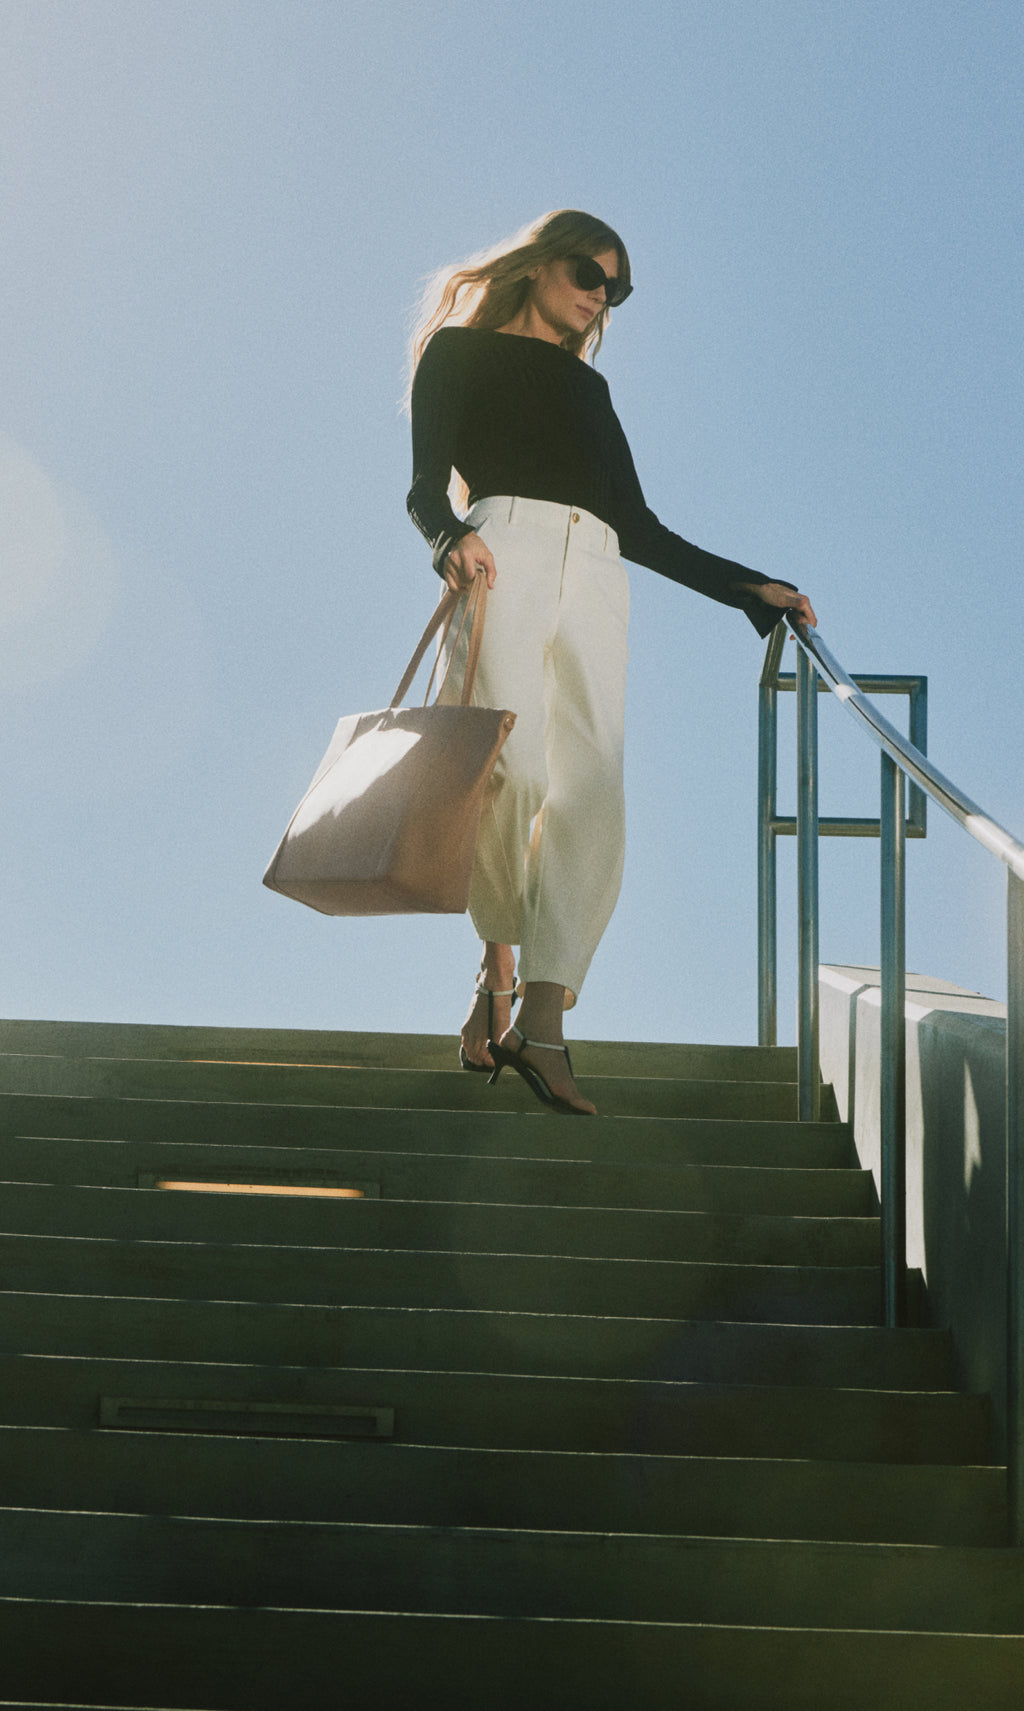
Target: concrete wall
[[956, 1149]]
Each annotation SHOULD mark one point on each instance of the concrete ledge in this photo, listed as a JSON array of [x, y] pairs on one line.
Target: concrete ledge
[[956, 1149]]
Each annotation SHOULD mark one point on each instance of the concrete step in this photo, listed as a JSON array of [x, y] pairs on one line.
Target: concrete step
[[540, 1343], [492, 1133], [439, 1176], [670, 1289], [379, 1051], [409, 1089], [515, 1411], [583, 1232], [230, 1659], [506, 1572], [440, 1486]]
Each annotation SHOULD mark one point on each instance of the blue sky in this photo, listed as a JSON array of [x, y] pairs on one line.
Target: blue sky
[[216, 216]]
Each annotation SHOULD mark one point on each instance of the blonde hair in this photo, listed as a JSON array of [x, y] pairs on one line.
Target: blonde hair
[[489, 289]]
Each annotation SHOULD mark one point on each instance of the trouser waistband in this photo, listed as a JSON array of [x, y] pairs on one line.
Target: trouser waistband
[[570, 521]]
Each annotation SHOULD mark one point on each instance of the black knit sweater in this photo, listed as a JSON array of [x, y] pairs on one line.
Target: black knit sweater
[[523, 416]]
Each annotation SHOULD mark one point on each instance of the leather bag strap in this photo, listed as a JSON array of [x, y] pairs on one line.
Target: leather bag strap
[[441, 619]]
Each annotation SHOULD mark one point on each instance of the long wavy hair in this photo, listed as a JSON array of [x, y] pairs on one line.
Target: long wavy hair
[[489, 289]]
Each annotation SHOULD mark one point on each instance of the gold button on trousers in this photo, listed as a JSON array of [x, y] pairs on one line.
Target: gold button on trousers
[[552, 836]]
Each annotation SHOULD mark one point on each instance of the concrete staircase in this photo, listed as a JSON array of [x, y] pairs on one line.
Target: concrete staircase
[[545, 1413]]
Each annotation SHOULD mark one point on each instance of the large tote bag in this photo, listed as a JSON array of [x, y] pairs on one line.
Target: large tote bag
[[389, 824]]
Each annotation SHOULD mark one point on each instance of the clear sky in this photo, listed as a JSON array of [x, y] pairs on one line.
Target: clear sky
[[215, 218]]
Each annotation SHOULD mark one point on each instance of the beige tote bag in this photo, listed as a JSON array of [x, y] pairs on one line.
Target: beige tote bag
[[389, 824]]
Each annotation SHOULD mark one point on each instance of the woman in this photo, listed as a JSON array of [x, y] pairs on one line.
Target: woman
[[503, 395]]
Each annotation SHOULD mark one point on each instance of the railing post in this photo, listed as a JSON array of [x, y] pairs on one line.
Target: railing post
[[767, 766], [1015, 1207], [808, 1079], [893, 1117]]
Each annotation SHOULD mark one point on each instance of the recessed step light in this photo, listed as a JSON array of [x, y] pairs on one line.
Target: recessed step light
[[262, 1419], [305, 1184]]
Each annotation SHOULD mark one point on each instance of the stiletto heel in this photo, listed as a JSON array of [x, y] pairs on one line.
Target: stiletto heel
[[486, 992], [503, 1058]]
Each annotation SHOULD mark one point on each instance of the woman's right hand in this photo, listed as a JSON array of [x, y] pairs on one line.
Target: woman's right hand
[[467, 559]]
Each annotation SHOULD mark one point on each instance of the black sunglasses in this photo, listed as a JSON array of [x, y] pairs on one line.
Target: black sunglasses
[[590, 277]]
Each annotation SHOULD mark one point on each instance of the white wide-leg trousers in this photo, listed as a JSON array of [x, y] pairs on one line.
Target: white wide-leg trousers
[[552, 836]]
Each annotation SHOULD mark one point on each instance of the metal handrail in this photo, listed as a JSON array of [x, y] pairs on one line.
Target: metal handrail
[[917, 766], [901, 759]]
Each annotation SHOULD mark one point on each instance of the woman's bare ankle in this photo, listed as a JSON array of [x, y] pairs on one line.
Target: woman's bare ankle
[[540, 1015], [497, 967]]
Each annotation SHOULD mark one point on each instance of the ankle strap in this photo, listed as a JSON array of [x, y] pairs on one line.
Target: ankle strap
[[491, 992], [539, 1045]]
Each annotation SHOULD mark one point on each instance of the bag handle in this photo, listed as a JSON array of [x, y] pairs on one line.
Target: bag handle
[[441, 619]]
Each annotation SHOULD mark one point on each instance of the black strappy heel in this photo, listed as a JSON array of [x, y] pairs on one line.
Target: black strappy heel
[[505, 1059], [485, 991]]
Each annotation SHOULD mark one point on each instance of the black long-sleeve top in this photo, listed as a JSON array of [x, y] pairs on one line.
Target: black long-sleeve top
[[525, 417]]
